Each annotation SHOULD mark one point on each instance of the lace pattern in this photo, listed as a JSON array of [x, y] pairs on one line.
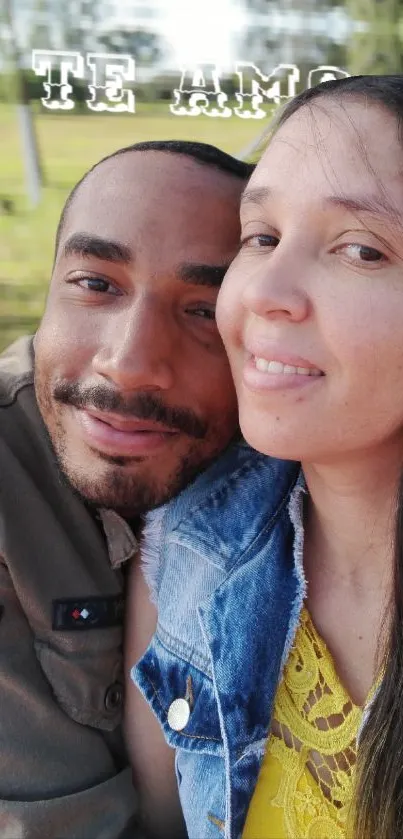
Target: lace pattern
[[305, 786]]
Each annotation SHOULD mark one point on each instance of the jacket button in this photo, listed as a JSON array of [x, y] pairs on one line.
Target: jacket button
[[178, 714], [114, 697]]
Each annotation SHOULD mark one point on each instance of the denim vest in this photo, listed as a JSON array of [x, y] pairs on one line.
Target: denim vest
[[224, 564]]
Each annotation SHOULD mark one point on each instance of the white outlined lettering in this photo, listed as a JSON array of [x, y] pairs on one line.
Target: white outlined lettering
[[200, 92], [325, 73], [45, 63], [107, 91], [252, 93]]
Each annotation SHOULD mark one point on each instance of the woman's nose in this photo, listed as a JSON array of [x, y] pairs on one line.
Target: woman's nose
[[276, 290]]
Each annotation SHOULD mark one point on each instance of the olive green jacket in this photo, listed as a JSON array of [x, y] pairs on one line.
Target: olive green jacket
[[64, 773]]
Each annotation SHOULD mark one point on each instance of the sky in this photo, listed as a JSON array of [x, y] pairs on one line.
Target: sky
[[204, 31], [196, 30]]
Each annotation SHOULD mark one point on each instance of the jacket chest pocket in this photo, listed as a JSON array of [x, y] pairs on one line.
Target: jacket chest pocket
[[85, 672]]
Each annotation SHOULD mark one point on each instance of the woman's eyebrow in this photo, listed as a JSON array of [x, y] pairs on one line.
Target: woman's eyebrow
[[376, 205], [372, 204], [256, 195]]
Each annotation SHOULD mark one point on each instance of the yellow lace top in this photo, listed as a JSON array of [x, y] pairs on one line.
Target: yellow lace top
[[304, 787]]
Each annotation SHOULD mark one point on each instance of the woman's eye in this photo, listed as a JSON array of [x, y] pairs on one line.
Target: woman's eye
[[260, 240], [362, 253], [95, 284]]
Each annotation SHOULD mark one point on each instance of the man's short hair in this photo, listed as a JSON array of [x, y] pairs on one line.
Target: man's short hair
[[202, 152]]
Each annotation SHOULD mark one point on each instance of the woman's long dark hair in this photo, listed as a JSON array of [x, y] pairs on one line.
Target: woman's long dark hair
[[378, 804], [378, 795]]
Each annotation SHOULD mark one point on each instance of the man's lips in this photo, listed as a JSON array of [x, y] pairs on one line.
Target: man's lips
[[119, 436], [129, 424]]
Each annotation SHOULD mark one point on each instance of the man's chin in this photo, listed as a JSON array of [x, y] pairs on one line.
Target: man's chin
[[129, 487], [113, 487]]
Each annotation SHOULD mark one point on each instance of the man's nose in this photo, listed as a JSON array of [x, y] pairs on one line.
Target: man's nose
[[137, 350]]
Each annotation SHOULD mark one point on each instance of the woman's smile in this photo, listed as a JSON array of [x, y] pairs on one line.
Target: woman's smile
[[274, 374]]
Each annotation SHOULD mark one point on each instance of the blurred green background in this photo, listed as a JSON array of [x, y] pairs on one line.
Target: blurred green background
[[359, 36]]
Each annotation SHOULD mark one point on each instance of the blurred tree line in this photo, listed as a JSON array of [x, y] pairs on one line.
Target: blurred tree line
[[379, 49], [373, 41]]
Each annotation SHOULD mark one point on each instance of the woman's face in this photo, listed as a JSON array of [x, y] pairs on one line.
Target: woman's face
[[311, 309]]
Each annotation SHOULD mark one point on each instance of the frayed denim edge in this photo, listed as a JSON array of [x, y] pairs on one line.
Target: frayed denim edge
[[295, 513], [151, 551]]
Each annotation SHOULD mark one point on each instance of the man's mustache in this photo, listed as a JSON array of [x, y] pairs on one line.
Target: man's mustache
[[143, 406]]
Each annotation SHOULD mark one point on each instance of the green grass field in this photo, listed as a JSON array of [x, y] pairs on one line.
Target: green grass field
[[69, 145]]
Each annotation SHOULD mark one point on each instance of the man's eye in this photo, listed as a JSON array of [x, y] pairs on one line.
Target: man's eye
[[361, 253], [96, 284], [259, 241], [205, 312]]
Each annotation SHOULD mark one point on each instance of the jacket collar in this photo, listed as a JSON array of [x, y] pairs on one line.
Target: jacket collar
[[121, 541]]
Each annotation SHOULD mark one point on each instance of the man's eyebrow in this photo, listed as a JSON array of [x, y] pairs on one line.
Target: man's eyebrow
[[255, 195], [372, 204], [87, 244], [204, 275]]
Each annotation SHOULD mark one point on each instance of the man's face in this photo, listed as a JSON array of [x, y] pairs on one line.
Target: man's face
[[131, 375]]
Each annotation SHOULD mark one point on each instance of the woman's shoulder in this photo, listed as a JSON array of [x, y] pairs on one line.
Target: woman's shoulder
[[241, 482], [222, 513]]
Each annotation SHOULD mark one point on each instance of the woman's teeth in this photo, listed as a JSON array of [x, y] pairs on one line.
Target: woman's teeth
[[284, 369]]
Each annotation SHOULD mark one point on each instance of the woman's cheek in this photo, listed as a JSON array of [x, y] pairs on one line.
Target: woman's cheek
[[228, 308]]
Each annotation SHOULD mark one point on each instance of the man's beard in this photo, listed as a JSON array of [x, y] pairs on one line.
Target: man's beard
[[116, 488], [131, 495]]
